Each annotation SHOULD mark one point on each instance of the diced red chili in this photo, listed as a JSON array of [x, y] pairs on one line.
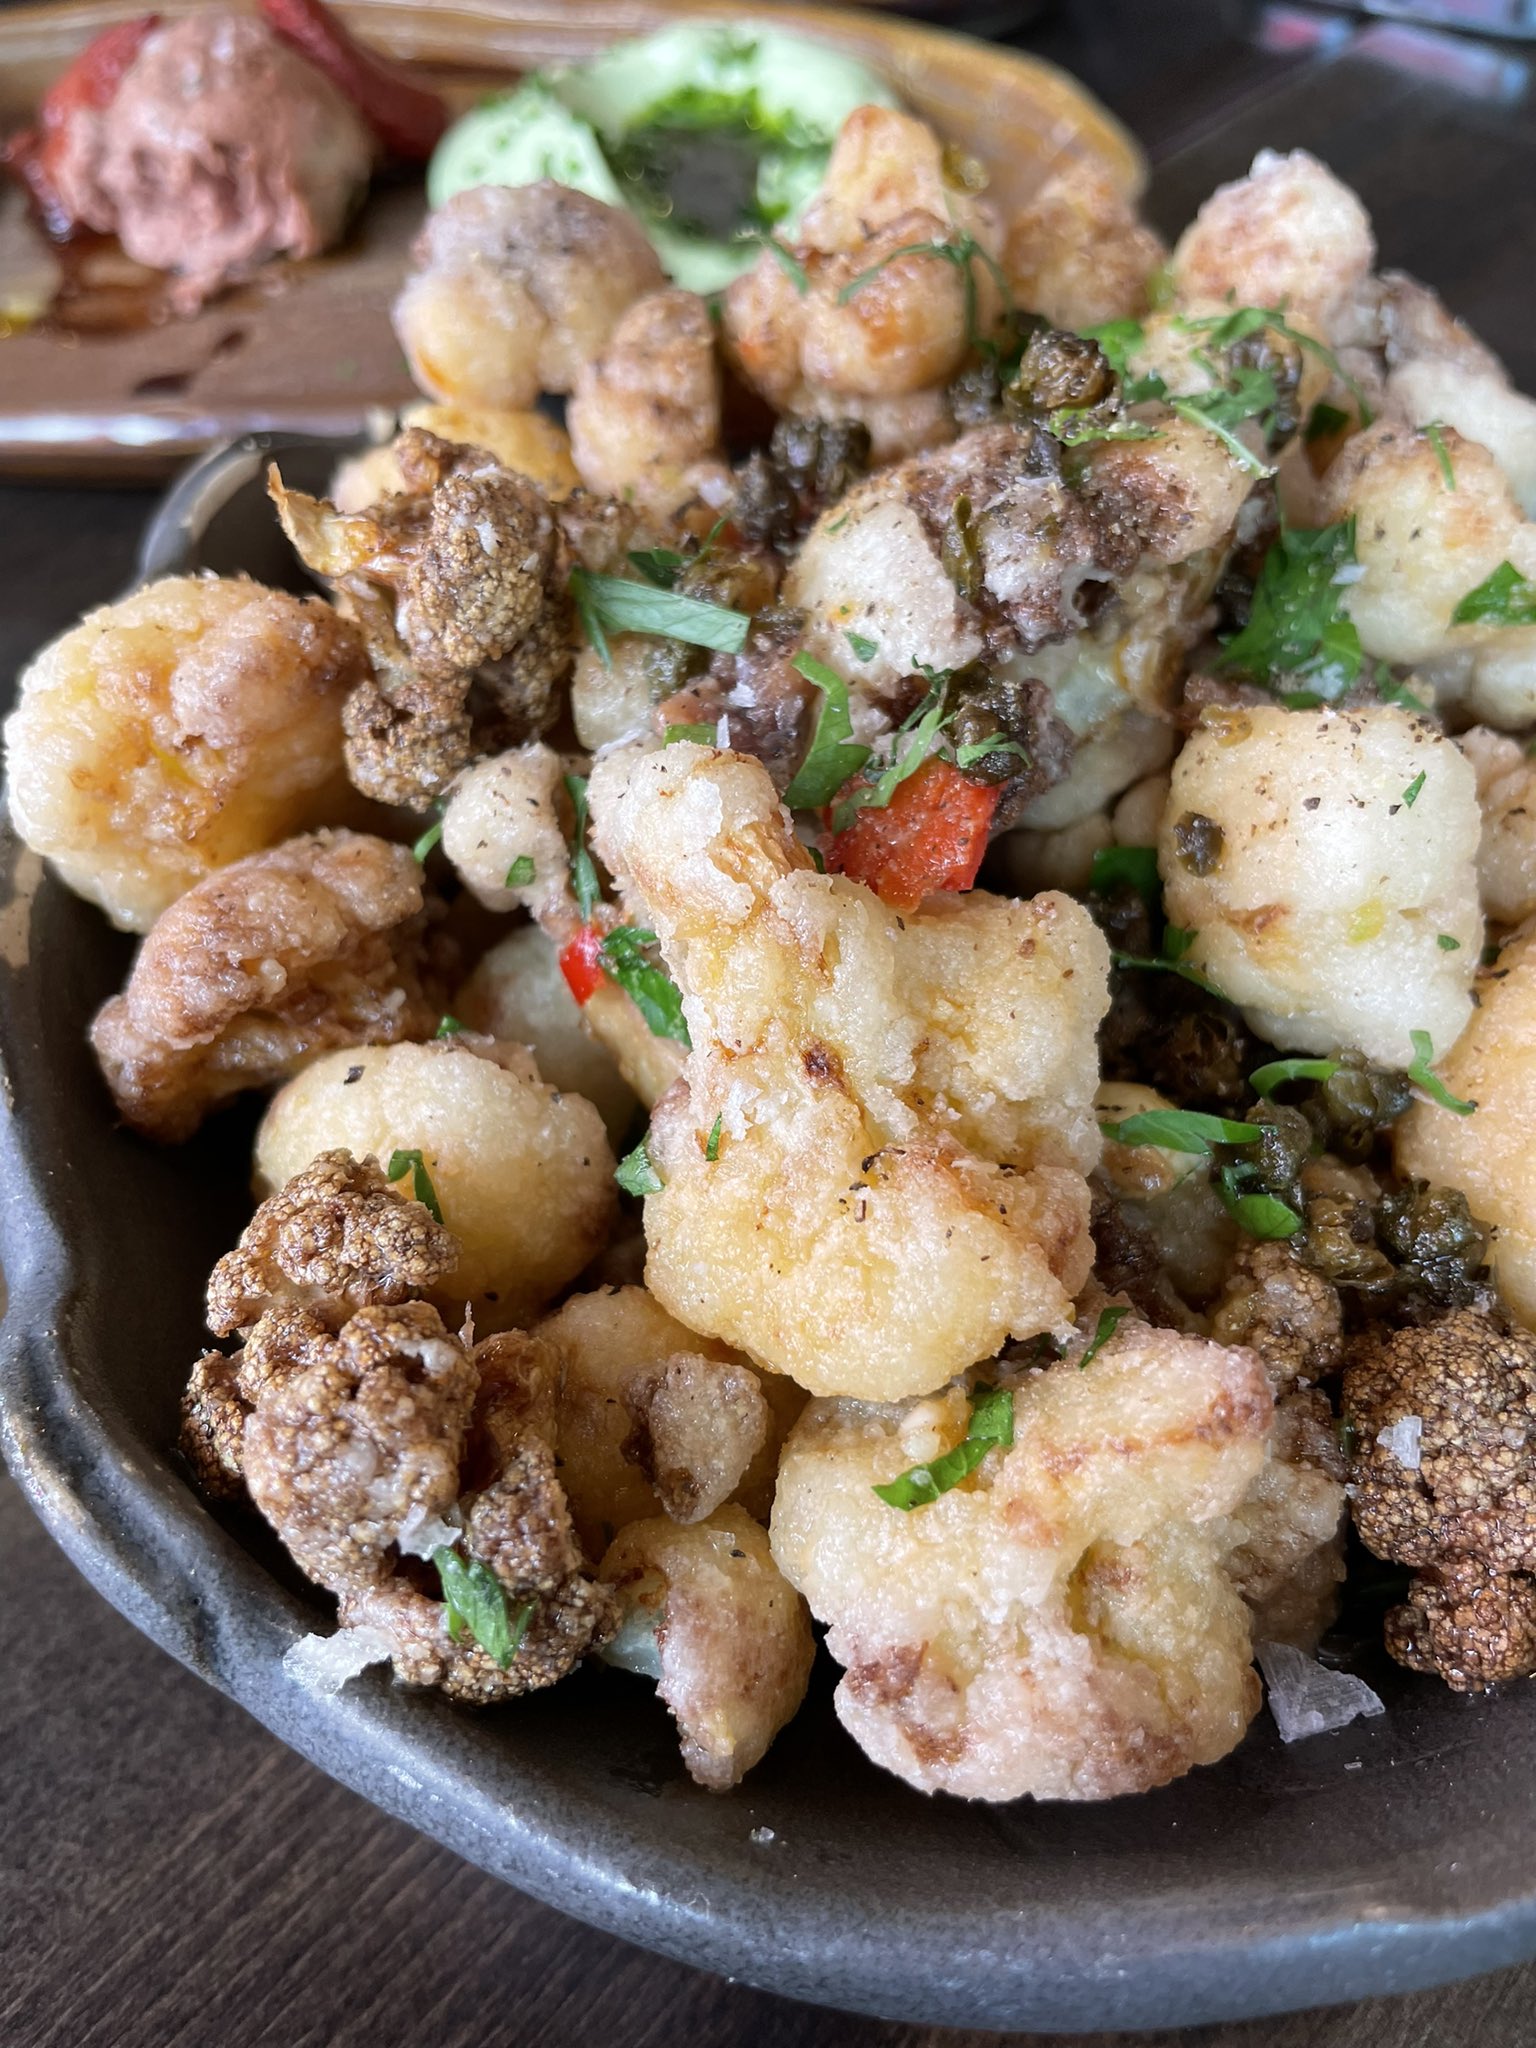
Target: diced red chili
[[407, 118], [581, 963], [929, 837]]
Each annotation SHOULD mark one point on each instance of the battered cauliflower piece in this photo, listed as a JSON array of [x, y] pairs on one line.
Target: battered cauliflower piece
[[1079, 254], [1320, 857], [178, 730], [1445, 1480], [316, 943], [1506, 854], [459, 584], [1489, 1155], [522, 1174], [707, 1613], [510, 808], [1289, 234], [905, 1104], [880, 318], [515, 288], [647, 1412], [1423, 548], [1286, 1537], [525, 441], [644, 416], [1059, 1625]]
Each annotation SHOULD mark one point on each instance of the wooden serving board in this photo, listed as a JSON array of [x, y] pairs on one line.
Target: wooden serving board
[[116, 386]]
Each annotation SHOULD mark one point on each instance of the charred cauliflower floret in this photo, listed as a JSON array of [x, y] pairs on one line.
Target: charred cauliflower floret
[[525, 441], [904, 1106], [316, 943], [707, 1613], [1320, 858], [1506, 854], [644, 416], [1060, 1624], [458, 584], [1445, 1481], [1282, 1309], [176, 731], [1078, 253], [522, 1175]]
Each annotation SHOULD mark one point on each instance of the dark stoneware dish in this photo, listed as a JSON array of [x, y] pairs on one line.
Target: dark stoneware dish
[[1387, 1856]]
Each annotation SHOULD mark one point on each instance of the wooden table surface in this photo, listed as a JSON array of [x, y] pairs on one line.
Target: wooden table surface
[[170, 1876]]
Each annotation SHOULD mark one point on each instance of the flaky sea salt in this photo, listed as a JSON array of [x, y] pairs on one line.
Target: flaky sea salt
[[761, 1836], [422, 1532], [1404, 1440], [323, 1664], [1306, 1698]]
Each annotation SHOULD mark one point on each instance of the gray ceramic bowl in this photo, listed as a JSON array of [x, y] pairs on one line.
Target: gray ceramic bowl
[[1388, 1856]]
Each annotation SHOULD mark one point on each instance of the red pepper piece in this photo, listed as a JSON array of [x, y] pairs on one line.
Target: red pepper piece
[[929, 837], [581, 963], [406, 117], [90, 82]]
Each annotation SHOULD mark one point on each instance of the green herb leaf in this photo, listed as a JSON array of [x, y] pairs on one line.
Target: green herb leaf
[[477, 1602], [1119, 340], [991, 1428], [1323, 422], [1074, 427], [1411, 793], [583, 869], [591, 620], [964, 253], [994, 743], [1180, 1130], [635, 1173], [1253, 394], [1189, 974], [1262, 1216], [712, 1142], [835, 756], [1266, 1079], [620, 606], [1177, 942], [701, 735], [1109, 1321], [1226, 329], [427, 841], [412, 1163], [919, 730], [1447, 944], [661, 566], [649, 987], [1134, 865], [1436, 440], [789, 263], [864, 648], [1295, 624], [1399, 693], [1506, 598], [520, 874], [1423, 1076], [448, 1027]]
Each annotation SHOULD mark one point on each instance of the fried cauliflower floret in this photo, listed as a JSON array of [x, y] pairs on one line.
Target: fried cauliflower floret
[[880, 317], [505, 810], [1445, 1480], [459, 584], [522, 1173], [1282, 1309], [1339, 848], [1489, 1155], [525, 441], [1289, 234], [647, 1411], [1078, 253], [1060, 1624], [176, 731], [213, 1427], [515, 288], [707, 1613], [644, 416], [1423, 548], [904, 1104], [1506, 854], [313, 944]]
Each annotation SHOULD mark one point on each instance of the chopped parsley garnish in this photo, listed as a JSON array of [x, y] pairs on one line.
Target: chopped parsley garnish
[[1411, 793], [1135, 866], [1447, 944], [960, 549], [661, 566], [583, 870], [1118, 341], [1180, 1130], [1076, 427], [618, 605], [991, 1428], [448, 1026], [1266, 1079], [1109, 1321], [712, 1142], [1260, 1215], [701, 735], [1323, 422], [428, 840], [995, 743], [1398, 693], [1176, 943], [635, 1173], [1251, 395], [1295, 627], [1225, 330], [1506, 598], [835, 755], [521, 872], [476, 1603], [865, 648], [1436, 440], [964, 253], [789, 263], [623, 958], [1423, 1076], [919, 730], [412, 1163]]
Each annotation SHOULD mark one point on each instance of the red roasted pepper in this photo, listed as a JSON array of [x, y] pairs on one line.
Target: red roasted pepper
[[929, 837], [581, 963], [90, 82], [406, 117]]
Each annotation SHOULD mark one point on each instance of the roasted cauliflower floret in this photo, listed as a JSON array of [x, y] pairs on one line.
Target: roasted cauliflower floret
[[1445, 1480], [1287, 235], [212, 1430], [1282, 1309], [522, 1174], [315, 943], [644, 416], [1078, 253], [904, 1105], [174, 732], [525, 441], [1320, 858], [1506, 854], [1489, 1155], [707, 1613], [459, 584], [515, 288], [1060, 1624]]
